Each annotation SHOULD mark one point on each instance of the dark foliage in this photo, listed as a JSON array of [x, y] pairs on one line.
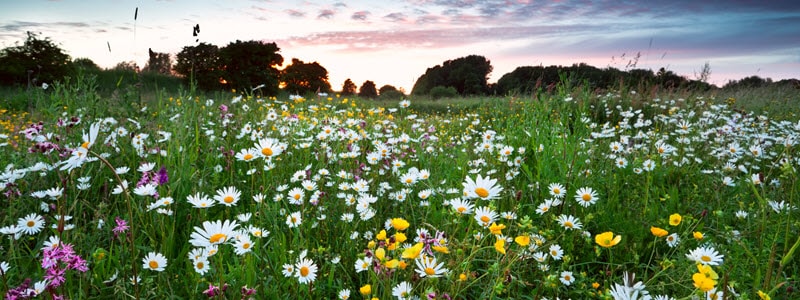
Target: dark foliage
[[250, 64], [368, 90], [34, 62], [348, 88], [302, 78], [200, 63], [468, 75]]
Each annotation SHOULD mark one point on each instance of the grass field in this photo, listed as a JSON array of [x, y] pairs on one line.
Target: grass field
[[571, 194]]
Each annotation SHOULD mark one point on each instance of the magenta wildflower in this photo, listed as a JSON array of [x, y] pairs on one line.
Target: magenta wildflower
[[23, 291], [57, 260], [162, 177], [122, 226]]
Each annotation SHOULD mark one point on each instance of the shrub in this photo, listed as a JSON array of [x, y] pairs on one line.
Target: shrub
[[439, 92]]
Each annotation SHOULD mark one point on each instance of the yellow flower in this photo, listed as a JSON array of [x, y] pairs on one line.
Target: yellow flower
[[392, 264], [381, 235], [380, 253], [462, 277], [607, 239], [523, 240], [675, 219], [413, 252], [399, 224], [706, 278], [763, 296], [595, 285], [698, 235], [658, 232], [399, 237], [441, 249], [496, 229], [366, 289], [499, 245]]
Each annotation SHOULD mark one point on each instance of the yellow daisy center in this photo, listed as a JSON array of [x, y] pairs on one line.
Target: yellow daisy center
[[430, 271], [304, 271], [228, 199], [408, 180], [485, 219], [705, 258], [568, 224], [246, 246], [266, 151], [296, 196], [462, 209], [216, 238], [85, 145], [248, 156], [567, 277], [153, 264], [586, 197], [200, 265], [30, 223], [482, 192], [556, 191]]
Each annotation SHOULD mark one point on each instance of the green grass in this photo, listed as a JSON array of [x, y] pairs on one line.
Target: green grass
[[564, 137]]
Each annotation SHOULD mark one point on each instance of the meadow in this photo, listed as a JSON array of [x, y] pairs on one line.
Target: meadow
[[564, 194]]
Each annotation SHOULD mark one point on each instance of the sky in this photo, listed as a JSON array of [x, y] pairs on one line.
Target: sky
[[394, 42]]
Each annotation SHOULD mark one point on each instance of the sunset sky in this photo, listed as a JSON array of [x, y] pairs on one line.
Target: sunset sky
[[394, 42]]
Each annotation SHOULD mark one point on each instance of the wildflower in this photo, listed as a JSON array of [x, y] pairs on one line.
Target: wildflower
[[363, 264], [705, 256], [569, 222], [243, 245], [698, 235], [4, 266], [245, 155], [121, 227], [154, 261], [427, 267], [269, 147], [462, 206], [672, 240], [30, 224], [288, 270], [629, 290], [344, 294], [399, 224], [586, 196], [763, 296], [499, 245], [483, 188], [557, 190], [497, 229], [485, 216], [675, 219], [213, 233], [294, 219], [228, 196], [706, 278], [200, 200], [566, 278], [413, 251], [306, 271], [556, 252], [523, 240], [201, 266], [365, 289], [402, 290], [658, 232], [607, 239], [296, 196]]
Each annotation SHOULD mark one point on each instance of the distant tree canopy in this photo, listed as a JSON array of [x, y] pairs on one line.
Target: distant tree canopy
[[36, 61], [368, 90], [200, 63], [158, 63], [85, 64], [528, 79], [302, 78], [468, 75], [389, 92], [250, 64], [348, 88]]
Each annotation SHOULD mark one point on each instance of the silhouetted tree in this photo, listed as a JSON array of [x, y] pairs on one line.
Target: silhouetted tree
[[348, 88], [301, 78], [158, 63], [85, 64], [36, 61], [367, 90], [389, 92], [468, 75], [200, 63], [127, 66], [250, 64]]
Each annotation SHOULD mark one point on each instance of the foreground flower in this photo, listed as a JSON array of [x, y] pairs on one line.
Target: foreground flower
[[675, 219], [306, 271], [705, 279], [658, 232], [706, 256], [629, 290], [586, 196], [566, 278], [607, 239], [427, 267], [30, 224], [154, 261], [399, 224], [213, 233], [500, 245], [228, 196], [482, 188], [402, 290]]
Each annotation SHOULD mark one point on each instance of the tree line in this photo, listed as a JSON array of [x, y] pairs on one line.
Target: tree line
[[254, 65]]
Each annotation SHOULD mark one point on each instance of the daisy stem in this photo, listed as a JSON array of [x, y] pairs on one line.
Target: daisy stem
[[131, 224]]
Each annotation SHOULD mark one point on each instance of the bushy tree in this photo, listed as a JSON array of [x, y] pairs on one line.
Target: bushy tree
[[302, 78], [158, 63], [200, 63], [36, 61], [85, 64], [250, 64], [367, 90], [468, 75], [348, 88], [389, 92]]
